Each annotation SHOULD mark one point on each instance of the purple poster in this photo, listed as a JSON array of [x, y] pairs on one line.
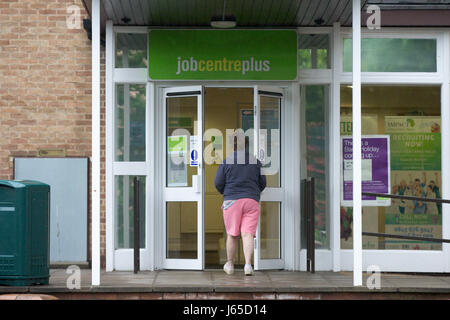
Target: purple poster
[[375, 173]]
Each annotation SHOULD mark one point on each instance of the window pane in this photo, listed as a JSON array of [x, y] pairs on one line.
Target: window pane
[[270, 222], [124, 212], [181, 230], [131, 50], [181, 124], [316, 102], [411, 116], [270, 139], [313, 51], [130, 122], [393, 55]]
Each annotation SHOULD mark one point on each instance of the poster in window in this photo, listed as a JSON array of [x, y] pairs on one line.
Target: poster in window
[[416, 171], [176, 161]]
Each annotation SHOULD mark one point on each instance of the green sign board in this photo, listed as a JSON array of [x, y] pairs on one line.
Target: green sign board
[[222, 54]]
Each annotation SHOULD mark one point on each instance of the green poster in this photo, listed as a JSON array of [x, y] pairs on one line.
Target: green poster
[[415, 171], [415, 142], [222, 54], [177, 144], [416, 151], [177, 161]]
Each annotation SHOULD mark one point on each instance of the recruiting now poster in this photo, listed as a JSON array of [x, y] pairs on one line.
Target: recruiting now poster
[[416, 171], [375, 164]]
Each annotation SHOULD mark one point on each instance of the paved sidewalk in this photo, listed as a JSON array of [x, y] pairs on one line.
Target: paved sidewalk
[[216, 281]]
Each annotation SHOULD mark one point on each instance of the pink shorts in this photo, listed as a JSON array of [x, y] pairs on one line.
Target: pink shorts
[[240, 216]]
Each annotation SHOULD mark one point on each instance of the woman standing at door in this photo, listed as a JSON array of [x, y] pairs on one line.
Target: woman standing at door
[[240, 181]]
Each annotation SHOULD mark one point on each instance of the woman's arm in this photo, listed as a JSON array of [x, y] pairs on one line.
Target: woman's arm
[[219, 181]]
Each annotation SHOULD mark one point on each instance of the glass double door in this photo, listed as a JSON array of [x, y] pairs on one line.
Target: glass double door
[[198, 126]]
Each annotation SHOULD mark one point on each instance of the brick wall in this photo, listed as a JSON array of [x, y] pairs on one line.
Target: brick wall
[[45, 85]]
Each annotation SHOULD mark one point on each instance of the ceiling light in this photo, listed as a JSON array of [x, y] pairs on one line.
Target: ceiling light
[[223, 22]]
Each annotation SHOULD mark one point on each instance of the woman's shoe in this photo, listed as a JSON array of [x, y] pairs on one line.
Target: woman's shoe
[[248, 270], [228, 268]]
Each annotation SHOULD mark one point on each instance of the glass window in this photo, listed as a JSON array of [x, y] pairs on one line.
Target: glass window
[[124, 212], [130, 122], [270, 138], [270, 224], [393, 55], [182, 230], [181, 125], [315, 99], [313, 52], [411, 116], [131, 50]]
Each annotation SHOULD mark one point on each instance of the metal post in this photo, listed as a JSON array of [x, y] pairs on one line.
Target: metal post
[[136, 220], [312, 225], [334, 149], [356, 111], [307, 219], [95, 143]]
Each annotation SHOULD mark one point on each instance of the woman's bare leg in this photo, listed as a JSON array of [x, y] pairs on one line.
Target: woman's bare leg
[[231, 248], [248, 244]]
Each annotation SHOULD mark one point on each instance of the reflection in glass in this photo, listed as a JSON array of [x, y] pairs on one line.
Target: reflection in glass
[[181, 230], [181, 125], [124, 212], [313, 51], [316, 98], [411, 116], [393, 55], [270, 222], [270, 139], [131, 50], [130, 122]]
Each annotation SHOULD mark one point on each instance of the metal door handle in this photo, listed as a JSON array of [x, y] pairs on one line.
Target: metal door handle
[[196, 183]]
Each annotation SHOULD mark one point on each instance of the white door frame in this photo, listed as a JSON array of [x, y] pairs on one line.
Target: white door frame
[[185, 194], [288, 208], [269, 194]]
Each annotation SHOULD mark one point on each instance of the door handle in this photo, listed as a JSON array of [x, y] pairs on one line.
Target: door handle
[[196, 185]]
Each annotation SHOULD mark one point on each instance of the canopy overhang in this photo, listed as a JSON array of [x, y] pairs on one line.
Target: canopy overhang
[[269, 13]]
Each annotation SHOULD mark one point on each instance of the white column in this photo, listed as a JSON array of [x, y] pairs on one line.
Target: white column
[[126, 178], [109, 94], [445, 187], [335, 153], [126, 155], [356, 110], [297, 125], [95, 142], [150, 158]]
